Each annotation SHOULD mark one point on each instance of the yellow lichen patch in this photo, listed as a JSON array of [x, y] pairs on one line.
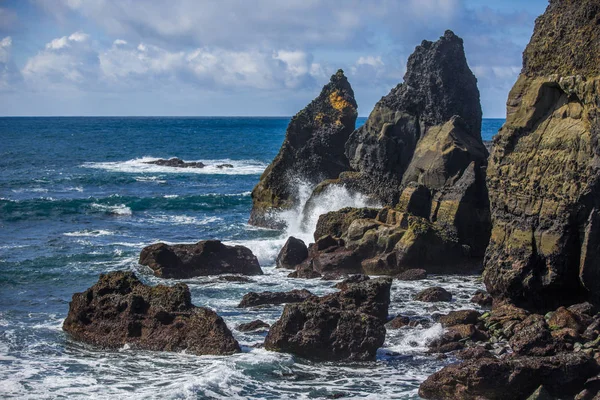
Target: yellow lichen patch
[[338, 102], [319, 118], [547, 243]]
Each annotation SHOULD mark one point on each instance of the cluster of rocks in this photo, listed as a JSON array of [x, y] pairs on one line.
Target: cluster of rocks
[[120, 310], [510, 353], [179, 163]]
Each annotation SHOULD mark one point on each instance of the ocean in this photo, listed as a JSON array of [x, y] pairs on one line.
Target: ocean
[[77, 199]]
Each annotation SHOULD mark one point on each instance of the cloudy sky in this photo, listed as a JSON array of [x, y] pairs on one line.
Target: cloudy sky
[[239, 57]]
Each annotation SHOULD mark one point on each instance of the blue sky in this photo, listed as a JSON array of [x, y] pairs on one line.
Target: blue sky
[[239, 57]]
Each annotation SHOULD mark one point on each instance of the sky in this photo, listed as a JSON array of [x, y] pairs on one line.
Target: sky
[[239, 57]]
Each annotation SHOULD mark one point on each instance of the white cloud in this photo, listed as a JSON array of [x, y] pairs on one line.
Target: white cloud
[[9, 74]]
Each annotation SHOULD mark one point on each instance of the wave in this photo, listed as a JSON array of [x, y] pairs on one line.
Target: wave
[[89, 232], [14, 210], [140, 165]]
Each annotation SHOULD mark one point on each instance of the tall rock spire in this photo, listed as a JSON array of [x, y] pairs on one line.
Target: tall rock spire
[[313, 150]]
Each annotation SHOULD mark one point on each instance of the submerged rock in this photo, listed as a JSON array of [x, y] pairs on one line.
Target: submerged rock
[[119, 310], [176, 163], [254, 299], [348, 325], [207, 257], [256, 325], [544, 175], [313, 150]]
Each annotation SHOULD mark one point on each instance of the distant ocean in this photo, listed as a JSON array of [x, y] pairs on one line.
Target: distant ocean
[[77, 199]]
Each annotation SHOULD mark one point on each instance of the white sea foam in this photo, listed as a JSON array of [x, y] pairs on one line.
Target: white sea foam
[[119, 209], [90, 232], [184, 219], [140, 165], [302, 220]]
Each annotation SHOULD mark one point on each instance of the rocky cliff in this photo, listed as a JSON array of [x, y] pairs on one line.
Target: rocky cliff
[[313, 150], [543, 177]]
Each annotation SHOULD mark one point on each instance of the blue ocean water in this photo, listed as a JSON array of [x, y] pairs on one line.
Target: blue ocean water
[[77, 199]]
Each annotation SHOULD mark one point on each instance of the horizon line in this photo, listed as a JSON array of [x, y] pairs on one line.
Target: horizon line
[[171, 116]]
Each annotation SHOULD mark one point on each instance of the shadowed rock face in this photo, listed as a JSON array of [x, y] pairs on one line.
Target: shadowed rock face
[[313, 150], [207, 257], [119, 310], [543, 177]]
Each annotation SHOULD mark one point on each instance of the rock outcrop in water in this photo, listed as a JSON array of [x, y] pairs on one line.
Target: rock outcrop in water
[[207, 257], [419, 153], [348, 325], [544, 172], [176, 163], [313, 150], [119, 310], [420, 150], [254, 299]]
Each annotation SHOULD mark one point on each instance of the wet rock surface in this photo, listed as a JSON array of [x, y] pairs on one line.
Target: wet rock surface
[[253, 326], [176, 163], [348, 325], [119, 310], [207, 257], [254, 299], [434, 294], [293, 253]]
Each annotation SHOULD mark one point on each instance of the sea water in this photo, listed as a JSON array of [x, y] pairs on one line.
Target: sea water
[[77, 198]]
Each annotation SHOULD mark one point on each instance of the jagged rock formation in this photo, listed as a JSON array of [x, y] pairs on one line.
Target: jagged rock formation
[[313, 150], [543, 177], [348, 325], [384, 242], [254, 299], [119, 310], [421, 150], [207, 257]]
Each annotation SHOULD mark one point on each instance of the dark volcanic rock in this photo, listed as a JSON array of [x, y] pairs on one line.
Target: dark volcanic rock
[[304, 273], [221, 166], [511, 378], [459, 317], [119, 310], [398, 322], [176, 163], [313, 150], [254, 299], [235, 278], [482, 298], [412, 275], [348, 325], [343, 285], [253, 326], [544, 175], [208, 257], [434, 294], [293, 253]]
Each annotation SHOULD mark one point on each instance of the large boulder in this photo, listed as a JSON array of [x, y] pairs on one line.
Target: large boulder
[[313, 150], [207, 257], [511, 378], [120, 310], [293, 253], [348, 325], [543, 177]]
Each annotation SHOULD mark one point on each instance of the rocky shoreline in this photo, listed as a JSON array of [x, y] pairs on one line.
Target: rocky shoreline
[[522, 211]]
